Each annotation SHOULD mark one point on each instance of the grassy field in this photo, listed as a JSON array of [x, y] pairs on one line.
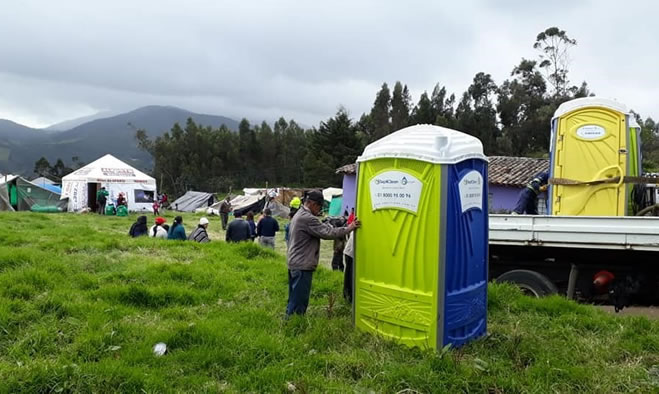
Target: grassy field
[[82, 305]]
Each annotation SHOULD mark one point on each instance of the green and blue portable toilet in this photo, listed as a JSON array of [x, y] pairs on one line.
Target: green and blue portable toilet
[[421, 255]]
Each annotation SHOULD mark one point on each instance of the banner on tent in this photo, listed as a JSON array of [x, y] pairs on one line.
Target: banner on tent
[[77, 194], [118, 172], [113, 180]]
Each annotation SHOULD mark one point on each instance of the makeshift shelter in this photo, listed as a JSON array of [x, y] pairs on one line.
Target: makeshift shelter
[[278, 209], [47, 184], [191, 201], [117, 177], [251, 191], [255, 203], [331, 192], [4, 199], [42, 180], [5, 204], [243, 204], [18, 194]]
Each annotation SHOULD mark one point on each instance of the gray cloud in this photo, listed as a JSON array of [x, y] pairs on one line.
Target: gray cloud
[[301, 60]]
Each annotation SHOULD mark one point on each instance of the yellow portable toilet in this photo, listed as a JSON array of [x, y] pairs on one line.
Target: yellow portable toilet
[[595, 144], [420, 274]]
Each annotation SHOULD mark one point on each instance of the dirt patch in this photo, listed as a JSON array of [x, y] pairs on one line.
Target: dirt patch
[[651, 312]]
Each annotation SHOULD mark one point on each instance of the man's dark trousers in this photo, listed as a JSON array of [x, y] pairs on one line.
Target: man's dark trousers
[[225, 219], [527, 202], [347, 279], [337, 260], [299, 289]]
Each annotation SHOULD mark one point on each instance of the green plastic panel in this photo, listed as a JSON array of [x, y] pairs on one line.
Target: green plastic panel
[[13, 195], [635, 166], [397, 258]]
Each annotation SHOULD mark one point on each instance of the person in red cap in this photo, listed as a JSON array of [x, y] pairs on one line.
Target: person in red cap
[[158, 230]]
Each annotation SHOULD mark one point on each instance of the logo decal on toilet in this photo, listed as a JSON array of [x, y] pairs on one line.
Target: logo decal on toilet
[[591, 132], [471, 191], [395, 190]]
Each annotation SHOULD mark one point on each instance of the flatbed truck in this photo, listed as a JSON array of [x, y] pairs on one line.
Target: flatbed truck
[[594, 259]]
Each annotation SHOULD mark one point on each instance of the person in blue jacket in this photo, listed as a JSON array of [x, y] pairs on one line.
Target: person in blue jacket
[[177, 231], [252, 225], [139, 228], [527, 203]]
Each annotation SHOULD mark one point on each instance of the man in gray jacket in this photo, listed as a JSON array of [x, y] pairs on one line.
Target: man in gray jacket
[[306, 231]]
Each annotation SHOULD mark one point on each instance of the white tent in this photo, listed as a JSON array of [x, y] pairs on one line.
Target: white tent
[[117, 177], [331, 192]]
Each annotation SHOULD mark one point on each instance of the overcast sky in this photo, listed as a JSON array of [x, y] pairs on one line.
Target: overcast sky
[[300, 59]]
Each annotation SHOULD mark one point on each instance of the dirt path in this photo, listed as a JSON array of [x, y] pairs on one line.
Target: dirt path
[[651, 312]]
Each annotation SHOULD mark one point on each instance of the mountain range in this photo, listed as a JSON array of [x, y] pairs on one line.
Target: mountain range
[[92, 137]]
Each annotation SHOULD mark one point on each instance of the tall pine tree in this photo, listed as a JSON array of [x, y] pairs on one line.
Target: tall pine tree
[[400, 107], [423, 111], [379, 116], [333, 145]]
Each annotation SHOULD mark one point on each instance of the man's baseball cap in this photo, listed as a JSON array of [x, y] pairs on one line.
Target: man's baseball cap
[[316, 197], [203, 221]]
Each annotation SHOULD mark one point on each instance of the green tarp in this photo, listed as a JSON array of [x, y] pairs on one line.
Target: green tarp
[[335, 206], [21, 195]]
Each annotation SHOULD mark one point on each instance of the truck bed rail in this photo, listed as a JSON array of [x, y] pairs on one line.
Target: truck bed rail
[[603, 232]]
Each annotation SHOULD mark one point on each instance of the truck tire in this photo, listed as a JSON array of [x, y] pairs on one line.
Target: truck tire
[[532, 283]]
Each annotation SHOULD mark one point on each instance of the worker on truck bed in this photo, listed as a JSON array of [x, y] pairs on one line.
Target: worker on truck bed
[[527, 202]]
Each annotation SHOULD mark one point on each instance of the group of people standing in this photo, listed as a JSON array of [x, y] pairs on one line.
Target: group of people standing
[[102, 200], [303, 235], [240, 230]]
